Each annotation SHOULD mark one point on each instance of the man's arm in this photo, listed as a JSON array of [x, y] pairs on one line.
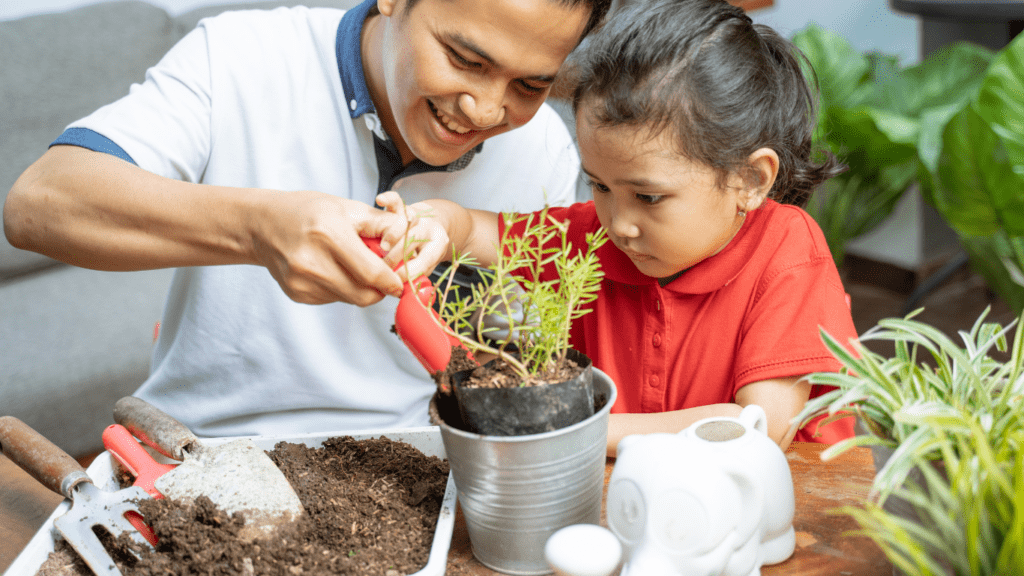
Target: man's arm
[[97, 211]]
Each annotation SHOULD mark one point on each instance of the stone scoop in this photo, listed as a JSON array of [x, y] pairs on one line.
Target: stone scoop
[[236, 476]]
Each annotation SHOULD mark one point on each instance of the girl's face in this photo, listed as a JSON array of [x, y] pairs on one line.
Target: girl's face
[[664, 211], [452, 73]]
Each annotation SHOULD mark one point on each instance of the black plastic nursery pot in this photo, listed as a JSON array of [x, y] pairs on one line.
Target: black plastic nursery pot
[[521, 410]]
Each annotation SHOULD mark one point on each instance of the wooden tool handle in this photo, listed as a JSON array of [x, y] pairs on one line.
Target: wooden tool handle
[[42, 459], [156, 428]]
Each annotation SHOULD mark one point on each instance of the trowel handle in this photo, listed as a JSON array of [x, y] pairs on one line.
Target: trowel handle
[[155, 427], [126, 450], [123, 447], [42, 459]]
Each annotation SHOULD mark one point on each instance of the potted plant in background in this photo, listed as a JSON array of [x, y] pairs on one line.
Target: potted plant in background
[[875, 115], [974, 173], [952, 124], [945, 423], [529, 477]]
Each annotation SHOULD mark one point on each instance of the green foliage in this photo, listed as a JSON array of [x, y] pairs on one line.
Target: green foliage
[[954, 123], [974, 174], [970, 512], [875, 116], [538, 314], [957, 423]]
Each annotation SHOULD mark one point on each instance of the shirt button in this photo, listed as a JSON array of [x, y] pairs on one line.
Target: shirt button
[[353, 104], [656, 340], [370, 124], [655, 382]]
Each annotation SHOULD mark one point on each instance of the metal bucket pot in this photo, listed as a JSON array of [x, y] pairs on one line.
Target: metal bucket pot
[[516, 491]]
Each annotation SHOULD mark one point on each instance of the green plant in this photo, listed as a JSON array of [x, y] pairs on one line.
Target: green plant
[[875, 115], [973, 173], [537, 314], [955, 415], [970, 516]]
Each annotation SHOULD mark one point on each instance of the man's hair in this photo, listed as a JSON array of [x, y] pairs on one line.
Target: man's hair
[[598, 10]]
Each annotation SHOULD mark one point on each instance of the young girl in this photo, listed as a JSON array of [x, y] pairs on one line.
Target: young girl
[[694, 127]]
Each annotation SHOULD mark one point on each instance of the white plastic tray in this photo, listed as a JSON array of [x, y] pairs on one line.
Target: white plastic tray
[[426, 439]]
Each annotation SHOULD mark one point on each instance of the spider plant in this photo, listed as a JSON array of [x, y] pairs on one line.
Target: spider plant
[[970, 513], [953, 416]]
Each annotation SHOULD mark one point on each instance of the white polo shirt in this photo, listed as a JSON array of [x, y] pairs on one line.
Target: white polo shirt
[[277, 99]]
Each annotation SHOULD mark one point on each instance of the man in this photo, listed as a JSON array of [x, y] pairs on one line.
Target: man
[[258, 144]]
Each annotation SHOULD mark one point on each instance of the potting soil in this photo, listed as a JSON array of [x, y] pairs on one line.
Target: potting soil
[[371, 509]]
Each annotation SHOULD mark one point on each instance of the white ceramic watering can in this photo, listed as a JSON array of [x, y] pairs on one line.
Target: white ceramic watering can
[[715, 499]]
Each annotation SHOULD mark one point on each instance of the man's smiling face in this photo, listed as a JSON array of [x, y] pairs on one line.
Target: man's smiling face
[[453, 73]]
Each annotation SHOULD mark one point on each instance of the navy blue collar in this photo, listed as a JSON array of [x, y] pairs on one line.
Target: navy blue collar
[[348, 50]]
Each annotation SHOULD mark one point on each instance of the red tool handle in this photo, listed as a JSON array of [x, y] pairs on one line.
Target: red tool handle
[[123, 446], [418, 324]]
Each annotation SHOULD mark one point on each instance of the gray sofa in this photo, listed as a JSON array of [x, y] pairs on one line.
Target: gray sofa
[[73, 341]]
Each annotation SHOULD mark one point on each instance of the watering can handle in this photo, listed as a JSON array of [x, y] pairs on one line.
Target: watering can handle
[[754, 417]]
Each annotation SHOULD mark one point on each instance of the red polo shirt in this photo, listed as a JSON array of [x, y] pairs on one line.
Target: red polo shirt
[[749, 313]]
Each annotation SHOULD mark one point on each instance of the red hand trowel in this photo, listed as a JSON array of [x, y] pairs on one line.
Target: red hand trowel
[[418, 324], [123, 446]]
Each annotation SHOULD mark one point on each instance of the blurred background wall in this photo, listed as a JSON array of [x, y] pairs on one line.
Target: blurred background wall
[[867, 24]]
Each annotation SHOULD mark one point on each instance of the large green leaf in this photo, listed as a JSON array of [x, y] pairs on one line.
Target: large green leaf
[[995, 257], [946, 77], [1001, 100], [975, 187], [932, 124], [842, 71], [869, 128], [973, 170]]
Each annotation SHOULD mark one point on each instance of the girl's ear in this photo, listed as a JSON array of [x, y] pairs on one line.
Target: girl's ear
[[763, 166]]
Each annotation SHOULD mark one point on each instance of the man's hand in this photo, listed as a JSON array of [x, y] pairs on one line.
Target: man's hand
[[312, 245]]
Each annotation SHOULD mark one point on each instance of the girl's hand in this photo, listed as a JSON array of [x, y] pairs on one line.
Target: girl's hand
[[417, 235]]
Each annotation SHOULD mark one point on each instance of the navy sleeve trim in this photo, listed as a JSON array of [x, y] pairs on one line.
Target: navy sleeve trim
[[86, 138]]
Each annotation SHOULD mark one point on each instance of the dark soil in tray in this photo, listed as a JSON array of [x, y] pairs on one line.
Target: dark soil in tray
[[372, 508]]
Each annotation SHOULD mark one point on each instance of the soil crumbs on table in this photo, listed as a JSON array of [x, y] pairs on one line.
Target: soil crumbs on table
[[371, 509]]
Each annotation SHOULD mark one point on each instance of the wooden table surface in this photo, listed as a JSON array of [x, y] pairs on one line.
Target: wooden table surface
[[820, 487]]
